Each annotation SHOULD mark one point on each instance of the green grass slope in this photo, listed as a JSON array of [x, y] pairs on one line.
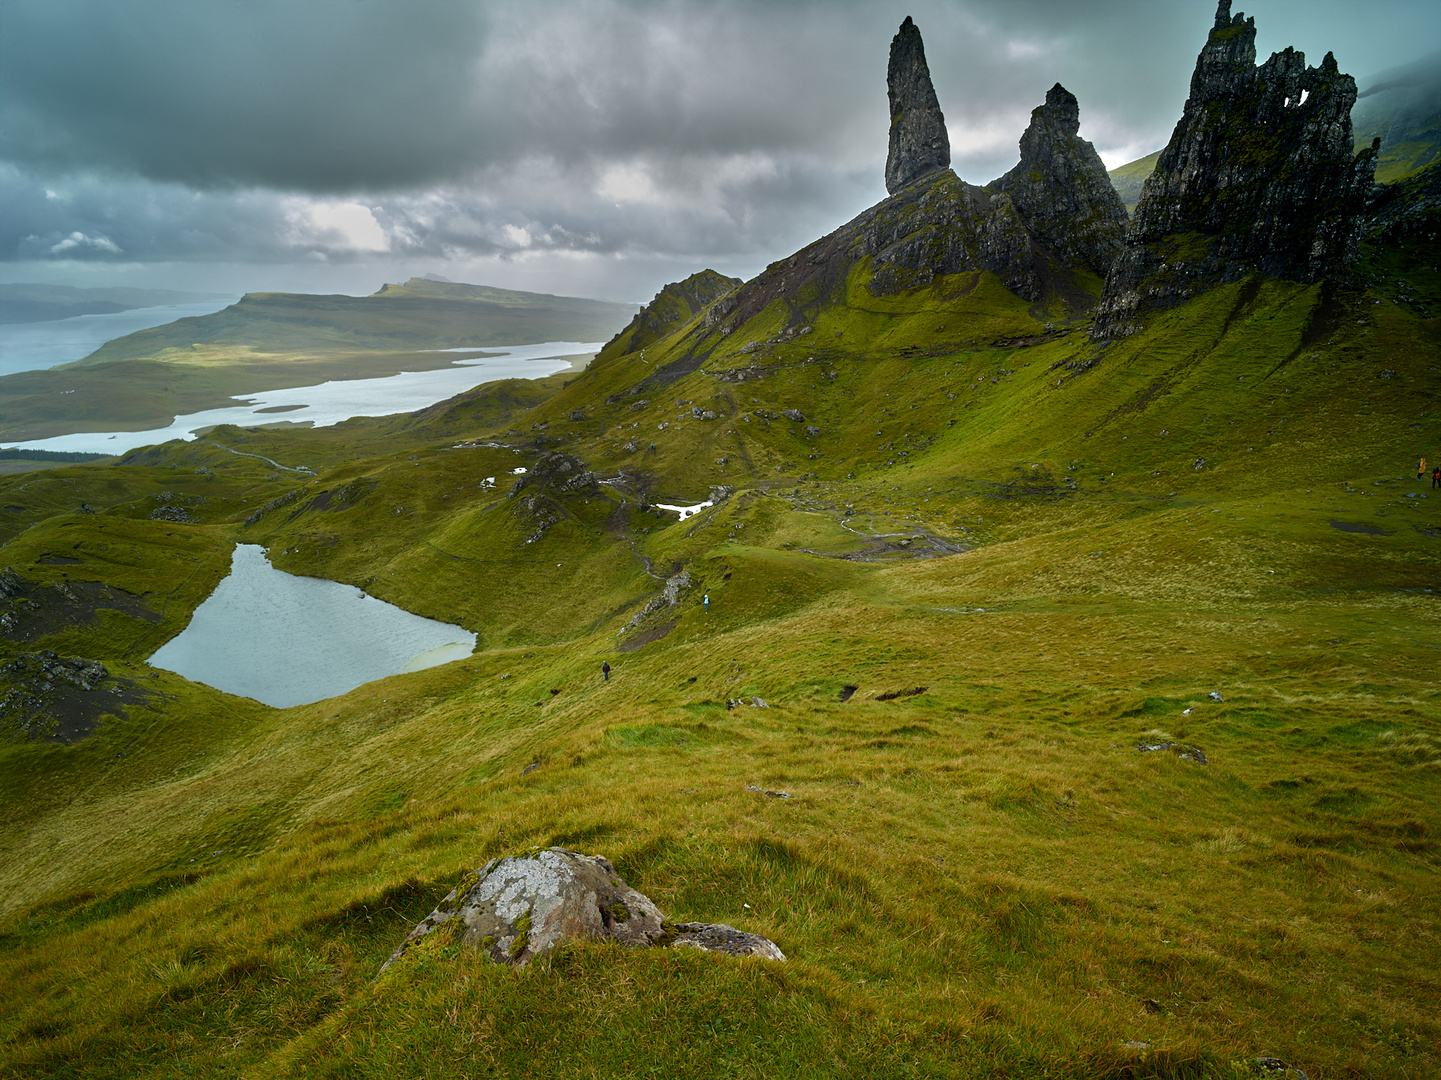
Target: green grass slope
[[968, 561], [1128, 179]]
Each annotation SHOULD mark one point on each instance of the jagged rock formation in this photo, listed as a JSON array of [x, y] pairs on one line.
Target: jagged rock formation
[[1054, 213], [918, 141], [1061, 190], [514, 909], [1258, 175], [677, 303]]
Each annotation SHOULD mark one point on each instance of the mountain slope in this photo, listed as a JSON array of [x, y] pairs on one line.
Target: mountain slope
[[1060, 708]]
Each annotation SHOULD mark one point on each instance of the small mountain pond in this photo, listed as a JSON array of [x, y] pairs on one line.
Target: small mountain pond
[[286, 640]]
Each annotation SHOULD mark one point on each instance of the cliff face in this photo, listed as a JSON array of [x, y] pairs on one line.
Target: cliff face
[[930, 229], [1054, 213], [918, 141], [1258, 175], [1061, 190]]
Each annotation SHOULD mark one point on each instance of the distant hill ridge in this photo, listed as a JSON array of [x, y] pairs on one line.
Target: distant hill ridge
[[419, 314]]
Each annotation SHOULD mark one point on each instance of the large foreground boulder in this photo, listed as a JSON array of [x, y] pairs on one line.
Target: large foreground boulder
[[516, 908]]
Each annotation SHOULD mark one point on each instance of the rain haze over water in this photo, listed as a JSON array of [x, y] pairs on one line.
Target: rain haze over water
[[38, 345]]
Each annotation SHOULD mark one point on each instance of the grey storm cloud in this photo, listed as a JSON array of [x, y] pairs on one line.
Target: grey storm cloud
[[267, 132], [325, 96]]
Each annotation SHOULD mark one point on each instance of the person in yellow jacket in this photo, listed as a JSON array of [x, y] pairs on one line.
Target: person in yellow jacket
[[1421, 469]]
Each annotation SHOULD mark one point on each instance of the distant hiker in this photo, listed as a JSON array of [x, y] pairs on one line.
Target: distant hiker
[[605, 670], [706, 600], [1436, 477], [1420, 468]]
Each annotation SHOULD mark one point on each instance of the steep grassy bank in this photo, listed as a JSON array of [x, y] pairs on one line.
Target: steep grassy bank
[[1002, 562]]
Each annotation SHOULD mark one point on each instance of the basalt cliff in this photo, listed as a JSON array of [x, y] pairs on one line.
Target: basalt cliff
[[1061, 190], [1259, 175]]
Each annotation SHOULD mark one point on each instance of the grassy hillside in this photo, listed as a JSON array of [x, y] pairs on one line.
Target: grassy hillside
[[986, 563], [1128, 179], [269, 341]]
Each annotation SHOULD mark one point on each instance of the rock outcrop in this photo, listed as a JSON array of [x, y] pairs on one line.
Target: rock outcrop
[[59, 698], [933, 227], [1053, 214], [1258, 176], [516, 908], [539, 492], [677, 303], [918, 141], [1061, 190]]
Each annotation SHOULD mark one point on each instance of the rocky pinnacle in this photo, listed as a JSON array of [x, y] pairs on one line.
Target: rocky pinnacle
[[918, 143], [1259, 175], [1062, 191]]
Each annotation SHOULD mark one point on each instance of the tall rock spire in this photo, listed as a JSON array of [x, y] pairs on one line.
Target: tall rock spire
[[1062, 191], [918, 143]]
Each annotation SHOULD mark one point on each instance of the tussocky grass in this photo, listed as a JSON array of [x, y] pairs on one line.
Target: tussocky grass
[[976, 872]]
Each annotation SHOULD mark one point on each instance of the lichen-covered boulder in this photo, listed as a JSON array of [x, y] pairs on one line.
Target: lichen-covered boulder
[[518, 907]]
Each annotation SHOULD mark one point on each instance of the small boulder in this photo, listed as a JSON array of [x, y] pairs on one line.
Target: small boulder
[[718, 937], [1185, 751], [516, 908]]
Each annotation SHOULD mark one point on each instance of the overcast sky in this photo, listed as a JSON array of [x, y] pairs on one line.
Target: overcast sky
[[599, 148]]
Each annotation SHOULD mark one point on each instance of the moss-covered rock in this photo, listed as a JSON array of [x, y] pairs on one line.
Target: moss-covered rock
[[513, 909]]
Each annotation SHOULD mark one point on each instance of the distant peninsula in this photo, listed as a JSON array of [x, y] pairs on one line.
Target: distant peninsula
[[30, 303]]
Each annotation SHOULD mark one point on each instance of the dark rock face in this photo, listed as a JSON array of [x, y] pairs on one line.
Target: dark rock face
[[1258, 175], [677, 303], [1406, 209], [918, 142], [1061, 190], [514, 909], [938, 226], [933, 227]]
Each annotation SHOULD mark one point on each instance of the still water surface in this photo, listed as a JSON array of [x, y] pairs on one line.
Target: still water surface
[[31, 346], [287, 640], [340, 399]]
